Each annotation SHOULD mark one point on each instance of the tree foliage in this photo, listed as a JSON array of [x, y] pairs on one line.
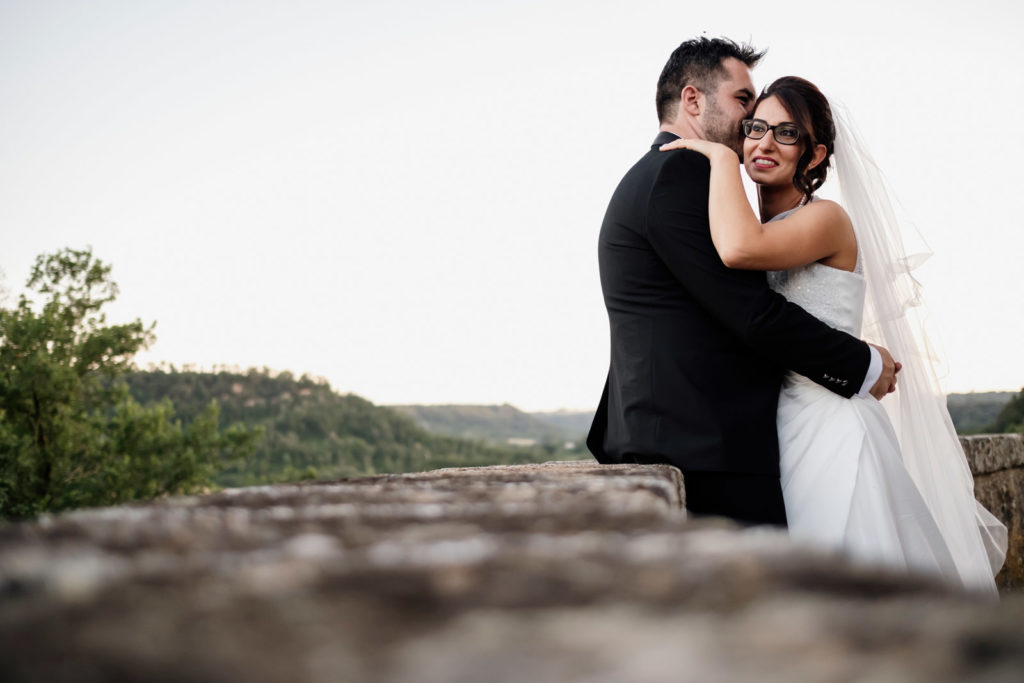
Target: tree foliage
[[312, 431], [71, 435], [972, 413], [1011, 418]]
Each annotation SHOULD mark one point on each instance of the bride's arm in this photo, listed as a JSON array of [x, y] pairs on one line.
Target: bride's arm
[[814, 233]]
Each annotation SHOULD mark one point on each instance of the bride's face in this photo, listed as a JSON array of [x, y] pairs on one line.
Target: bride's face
[[768, 162]]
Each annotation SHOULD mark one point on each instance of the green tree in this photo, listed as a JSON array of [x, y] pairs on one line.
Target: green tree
[[311, 431], [1011, 418], [71, 435]]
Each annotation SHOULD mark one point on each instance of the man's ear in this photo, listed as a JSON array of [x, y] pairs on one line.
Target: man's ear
[[692, 100], [819, 155]]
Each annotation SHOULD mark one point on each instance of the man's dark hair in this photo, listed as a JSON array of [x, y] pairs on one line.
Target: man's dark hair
[[698, 62]]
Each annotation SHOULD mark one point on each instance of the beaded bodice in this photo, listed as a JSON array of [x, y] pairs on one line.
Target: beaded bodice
[[833, 296], [836, 297]]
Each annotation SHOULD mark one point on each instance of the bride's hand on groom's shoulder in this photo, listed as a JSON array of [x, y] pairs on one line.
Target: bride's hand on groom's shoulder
[[715, 151]]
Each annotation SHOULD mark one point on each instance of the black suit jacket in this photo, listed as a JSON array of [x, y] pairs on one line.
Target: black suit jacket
[[697, 350]]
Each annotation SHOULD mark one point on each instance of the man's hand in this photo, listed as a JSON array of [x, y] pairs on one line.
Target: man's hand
[[886, 383]]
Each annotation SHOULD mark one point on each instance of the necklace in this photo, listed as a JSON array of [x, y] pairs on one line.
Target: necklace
[[803, 200]]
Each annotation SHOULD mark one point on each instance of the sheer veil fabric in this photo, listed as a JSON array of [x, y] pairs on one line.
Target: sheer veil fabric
[[892, 318]]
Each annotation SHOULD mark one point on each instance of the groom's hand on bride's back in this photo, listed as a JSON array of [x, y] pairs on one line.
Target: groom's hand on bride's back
[[886, 383]]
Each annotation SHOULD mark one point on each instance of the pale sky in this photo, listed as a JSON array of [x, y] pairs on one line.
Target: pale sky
[[404, 197]]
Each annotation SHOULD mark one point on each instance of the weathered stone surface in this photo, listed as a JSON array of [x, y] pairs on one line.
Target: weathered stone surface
[[562, 572], [987, 453], [1002, 493], [997, 461]]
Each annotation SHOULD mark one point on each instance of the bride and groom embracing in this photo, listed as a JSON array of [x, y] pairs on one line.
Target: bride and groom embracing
[[755, 384]]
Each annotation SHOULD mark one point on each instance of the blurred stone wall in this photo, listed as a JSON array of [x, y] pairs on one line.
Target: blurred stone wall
[[997, 462], [565, 572]]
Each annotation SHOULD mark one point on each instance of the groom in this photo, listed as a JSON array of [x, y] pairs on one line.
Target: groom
[[698, 350]]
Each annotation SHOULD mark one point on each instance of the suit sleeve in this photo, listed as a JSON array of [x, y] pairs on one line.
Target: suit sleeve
[[677, 229]]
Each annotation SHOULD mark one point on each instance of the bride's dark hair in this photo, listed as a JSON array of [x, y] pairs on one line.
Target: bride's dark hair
[[811, 112]]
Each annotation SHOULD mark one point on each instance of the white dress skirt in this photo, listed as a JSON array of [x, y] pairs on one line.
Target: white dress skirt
[[843, 479]]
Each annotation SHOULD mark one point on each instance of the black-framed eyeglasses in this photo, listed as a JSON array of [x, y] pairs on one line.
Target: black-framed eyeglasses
[[785, 133]]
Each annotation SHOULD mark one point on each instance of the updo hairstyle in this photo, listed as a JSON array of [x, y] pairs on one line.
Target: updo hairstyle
[[811, 112]]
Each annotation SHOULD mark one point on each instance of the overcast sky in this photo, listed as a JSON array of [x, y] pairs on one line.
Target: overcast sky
[[404, 197]]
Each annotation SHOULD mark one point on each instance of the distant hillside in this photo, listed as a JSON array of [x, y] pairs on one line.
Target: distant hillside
[[497, 424], [569, 421], [977, 411], [310, 431], [972, 413]]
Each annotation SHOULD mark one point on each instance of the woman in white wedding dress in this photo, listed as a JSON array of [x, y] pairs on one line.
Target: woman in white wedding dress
[[886, 484]]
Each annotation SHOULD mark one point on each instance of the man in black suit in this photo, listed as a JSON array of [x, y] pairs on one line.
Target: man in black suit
[[698, 351]]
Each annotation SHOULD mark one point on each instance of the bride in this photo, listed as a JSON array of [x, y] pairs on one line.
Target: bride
[[885, 484]]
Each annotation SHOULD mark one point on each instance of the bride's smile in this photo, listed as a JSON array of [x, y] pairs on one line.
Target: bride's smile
[[767, 162], [777, 155]]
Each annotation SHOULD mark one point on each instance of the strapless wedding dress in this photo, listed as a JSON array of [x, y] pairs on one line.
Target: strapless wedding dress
[[843, 479]]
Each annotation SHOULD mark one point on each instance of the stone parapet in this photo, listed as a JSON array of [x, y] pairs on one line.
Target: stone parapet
[[557, 572], [997, 461], [988, 453]]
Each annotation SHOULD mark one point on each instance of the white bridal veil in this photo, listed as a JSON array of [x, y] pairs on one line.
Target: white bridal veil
[[931, 450]]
